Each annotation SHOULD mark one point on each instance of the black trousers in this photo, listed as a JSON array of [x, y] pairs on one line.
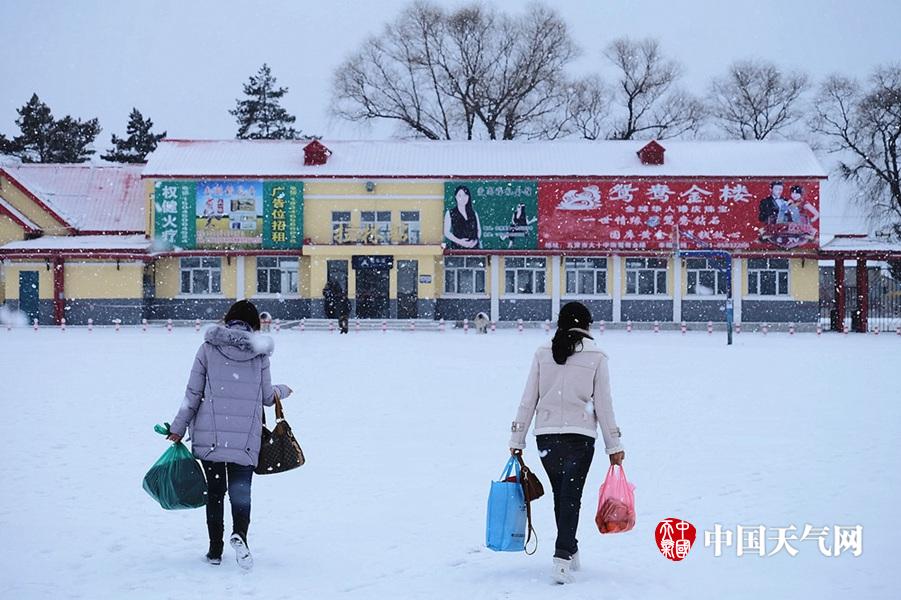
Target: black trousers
[[342, 323], [566, 458], [235, 479]]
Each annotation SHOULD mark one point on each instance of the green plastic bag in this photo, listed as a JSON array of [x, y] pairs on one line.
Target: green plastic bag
[[176, 481]]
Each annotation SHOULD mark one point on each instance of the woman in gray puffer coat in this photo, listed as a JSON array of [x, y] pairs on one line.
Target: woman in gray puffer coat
[[223, 405]]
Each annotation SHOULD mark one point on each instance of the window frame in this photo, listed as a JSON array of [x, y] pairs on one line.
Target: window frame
[[200, 264], [757, 267], [658, 273], [530, 268], [412, 225], [453, 274], [279, 261], [583, 264], [697, 271]]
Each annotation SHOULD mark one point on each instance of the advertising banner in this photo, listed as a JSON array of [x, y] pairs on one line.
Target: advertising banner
[[283, 214], [719, 213], [173, 213], [229, 214], [491, 215]]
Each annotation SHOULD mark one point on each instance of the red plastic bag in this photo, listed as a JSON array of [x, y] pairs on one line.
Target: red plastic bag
[[616, 503]]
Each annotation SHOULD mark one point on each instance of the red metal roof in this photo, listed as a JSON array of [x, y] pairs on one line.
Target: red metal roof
[[90, 198]]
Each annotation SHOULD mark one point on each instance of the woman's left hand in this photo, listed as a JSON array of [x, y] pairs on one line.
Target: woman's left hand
[[617, 458]]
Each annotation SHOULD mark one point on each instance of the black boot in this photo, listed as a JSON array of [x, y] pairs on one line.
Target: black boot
[[214, 556]]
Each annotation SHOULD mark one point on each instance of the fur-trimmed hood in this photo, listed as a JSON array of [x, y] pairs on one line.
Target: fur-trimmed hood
[[237, 344]]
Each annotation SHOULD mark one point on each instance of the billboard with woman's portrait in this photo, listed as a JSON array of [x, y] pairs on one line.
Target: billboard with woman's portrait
[[491, 215]]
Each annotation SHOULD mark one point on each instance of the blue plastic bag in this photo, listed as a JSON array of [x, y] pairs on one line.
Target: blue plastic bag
[[506, 523]]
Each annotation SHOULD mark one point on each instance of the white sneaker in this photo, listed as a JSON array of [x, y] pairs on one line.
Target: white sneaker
[[242, 552], [575, 564], [561, 572]]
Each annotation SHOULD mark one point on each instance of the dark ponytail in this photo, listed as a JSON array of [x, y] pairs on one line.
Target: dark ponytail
[[572, 328]]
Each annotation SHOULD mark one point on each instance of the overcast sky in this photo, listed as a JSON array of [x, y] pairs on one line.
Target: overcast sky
[[183, 62]]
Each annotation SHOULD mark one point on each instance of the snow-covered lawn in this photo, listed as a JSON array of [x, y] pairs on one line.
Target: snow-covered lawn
[[403, 432]]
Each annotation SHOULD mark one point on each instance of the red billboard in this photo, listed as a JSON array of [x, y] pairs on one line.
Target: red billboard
[[643, 214]]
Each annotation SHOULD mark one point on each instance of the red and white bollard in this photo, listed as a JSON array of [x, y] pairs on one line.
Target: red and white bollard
[[898, 330], [629, 326], [196, 324], [519, 325], [331, 327], [876, 330], [493, 327], [278, 325], [765, 328], [791, 329], [35, 324], [303, 324], [62, 325], [441, 325], [819, 329], [738, 328], [169, 325], [844, 328], [144, 325], [709, 327], [117, 323], [656, 326], [357, 326], [683, 327], [603, 326], [384, 326], [90, 325], [465, 325], [412, 325], [547, 326]]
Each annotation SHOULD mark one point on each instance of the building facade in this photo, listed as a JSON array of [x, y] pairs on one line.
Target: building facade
[[441, 230]]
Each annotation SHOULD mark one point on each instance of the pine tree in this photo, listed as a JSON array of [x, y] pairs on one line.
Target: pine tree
[[71, 139], [141, 140], [44, 139], [6, 145], [259, 115], [36, 125]]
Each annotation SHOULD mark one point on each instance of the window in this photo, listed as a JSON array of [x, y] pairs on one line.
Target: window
[[768, 276], [201, 276], [525, 275], [464, 274], [704, 278], [646, 276], [340, 226], [410, 222], [586, 276], [379, 224], [277, 274]]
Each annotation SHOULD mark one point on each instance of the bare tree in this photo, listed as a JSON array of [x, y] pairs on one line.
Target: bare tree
[[864, 125], [756, 99], [589, 107], [461, 75], [648, 104]]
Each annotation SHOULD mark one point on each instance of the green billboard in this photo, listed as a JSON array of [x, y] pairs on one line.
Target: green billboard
[[491, 215], [173, 213], [282, 214]]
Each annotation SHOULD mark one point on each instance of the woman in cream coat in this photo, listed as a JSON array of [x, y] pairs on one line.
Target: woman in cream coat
[[568, 395]]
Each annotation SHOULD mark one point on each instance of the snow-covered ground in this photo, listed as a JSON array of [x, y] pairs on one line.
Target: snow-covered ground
[[403, 432]]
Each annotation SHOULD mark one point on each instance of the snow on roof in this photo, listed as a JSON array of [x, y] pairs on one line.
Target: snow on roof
[[18, 215], [857, 243], [82, 243], [440, 159], [88, 197]]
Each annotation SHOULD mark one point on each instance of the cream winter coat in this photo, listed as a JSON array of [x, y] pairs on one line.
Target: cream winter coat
[[570, 398]]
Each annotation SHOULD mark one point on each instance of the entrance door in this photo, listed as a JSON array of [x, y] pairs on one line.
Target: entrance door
[[337, 271], [29, 294], [372, 286], [407, 289]]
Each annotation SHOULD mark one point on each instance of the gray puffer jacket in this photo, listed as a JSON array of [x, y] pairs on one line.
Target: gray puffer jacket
[[228, 387]]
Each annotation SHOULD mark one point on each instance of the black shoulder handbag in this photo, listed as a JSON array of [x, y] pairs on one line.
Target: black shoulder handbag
[[279, 450]]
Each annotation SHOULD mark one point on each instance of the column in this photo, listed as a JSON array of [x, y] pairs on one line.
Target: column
[[839, 323], [737, 279], [863, 293], [617, 288], [677, 289], [495, 288], [555, 287], [59, 293], [240, 283]]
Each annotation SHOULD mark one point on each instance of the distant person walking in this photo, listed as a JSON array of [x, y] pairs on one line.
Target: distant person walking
[[568, 388], [223, 404]]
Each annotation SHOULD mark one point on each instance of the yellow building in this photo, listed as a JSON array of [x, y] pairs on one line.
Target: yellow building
[[427, 230]]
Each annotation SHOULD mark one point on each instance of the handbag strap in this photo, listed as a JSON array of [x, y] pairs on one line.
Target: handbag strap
[[524, 469], [279, 413]]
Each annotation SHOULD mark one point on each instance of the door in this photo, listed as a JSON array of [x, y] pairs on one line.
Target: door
[[372, 286], [407, 289], [337, 271], [29, 294]]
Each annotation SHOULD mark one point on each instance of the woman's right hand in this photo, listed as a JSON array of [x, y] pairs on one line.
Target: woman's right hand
[[617, 458], [173, 437]]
